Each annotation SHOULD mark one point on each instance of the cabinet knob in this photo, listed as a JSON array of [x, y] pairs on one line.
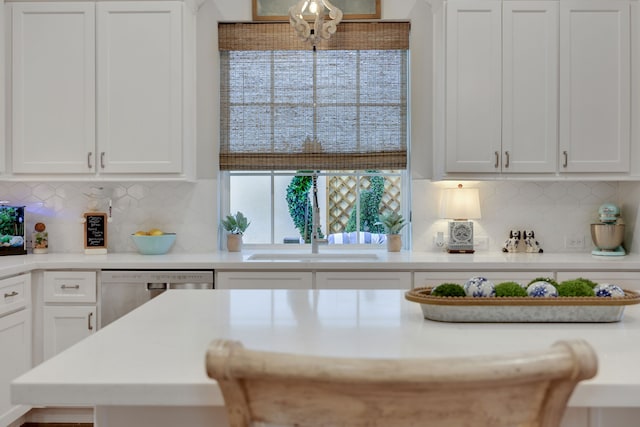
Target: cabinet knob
[[566, 159], [70, 287], [102, 160], [497, 154], [89, 325], [89, 164], [506, 155], [11, 294]]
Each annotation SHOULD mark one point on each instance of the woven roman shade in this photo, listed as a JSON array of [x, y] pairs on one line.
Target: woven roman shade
[[286, 107]]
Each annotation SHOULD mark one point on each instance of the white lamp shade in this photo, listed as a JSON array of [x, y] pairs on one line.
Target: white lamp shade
[[461, 203]]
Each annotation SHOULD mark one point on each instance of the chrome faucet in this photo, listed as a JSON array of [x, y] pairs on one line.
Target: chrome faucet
[[315, 219]]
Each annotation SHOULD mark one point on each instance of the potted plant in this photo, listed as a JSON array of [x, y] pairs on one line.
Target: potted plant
[[393, 224], [235, 225]]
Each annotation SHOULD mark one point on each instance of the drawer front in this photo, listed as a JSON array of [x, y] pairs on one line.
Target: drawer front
[[70, 286], [15, 293]]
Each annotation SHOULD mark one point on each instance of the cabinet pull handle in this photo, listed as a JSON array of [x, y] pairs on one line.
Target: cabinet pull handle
[[70, 287], [102, 160], [89, 325], [566, 159], [497, 160], [89, 165], [11, 294], [506, 153]]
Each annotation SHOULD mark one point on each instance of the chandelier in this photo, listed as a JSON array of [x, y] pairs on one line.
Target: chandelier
[[315, 9]]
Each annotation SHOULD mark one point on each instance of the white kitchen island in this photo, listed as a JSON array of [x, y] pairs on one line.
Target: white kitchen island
[[147, 368]]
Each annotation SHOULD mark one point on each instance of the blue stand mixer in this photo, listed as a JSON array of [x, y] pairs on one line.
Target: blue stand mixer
[[608, 234]]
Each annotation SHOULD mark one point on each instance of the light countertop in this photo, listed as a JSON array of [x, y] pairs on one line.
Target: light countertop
[[414, 261], [155, 354]]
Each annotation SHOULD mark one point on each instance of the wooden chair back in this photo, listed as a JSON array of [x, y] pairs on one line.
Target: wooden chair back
[[528, 389]]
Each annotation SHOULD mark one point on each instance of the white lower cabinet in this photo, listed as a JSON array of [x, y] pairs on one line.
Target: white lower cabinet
[[70, 310], [264, 280], [15, 340], [432, 278], [363, 280]]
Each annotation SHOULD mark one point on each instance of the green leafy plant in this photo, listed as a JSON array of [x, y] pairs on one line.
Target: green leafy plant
[[393, 222], [544, 279], [11, 222], [370, 200], [236, 224]]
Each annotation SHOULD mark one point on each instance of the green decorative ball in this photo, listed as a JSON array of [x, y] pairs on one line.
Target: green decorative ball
[[448, 290], [575, 288], [510, 289]]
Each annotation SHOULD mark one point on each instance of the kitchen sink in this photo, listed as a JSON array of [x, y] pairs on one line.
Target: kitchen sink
[[346, 257]]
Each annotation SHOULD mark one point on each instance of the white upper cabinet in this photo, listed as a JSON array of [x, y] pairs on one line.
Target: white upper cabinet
[[529, 86], [473, 86], [594, 86], [53, 82], [537, 87], [97, 88], [139, 57]]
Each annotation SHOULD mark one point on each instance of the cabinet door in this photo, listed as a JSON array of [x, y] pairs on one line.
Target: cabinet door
[[264, 280], [53, 87], [473, 86], [15, 357], [530, 86], [139, 87], [594, 85], [363, 280], [65, 326]]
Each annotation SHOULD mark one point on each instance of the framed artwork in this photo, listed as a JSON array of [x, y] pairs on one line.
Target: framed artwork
[[278, 10]]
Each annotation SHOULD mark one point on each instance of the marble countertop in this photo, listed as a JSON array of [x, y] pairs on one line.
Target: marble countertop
[[155, 354], [385, 261]]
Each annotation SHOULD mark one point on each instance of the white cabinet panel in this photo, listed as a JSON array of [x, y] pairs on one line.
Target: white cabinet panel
[[15, 293], [139, 86], [15, 357], [65, 326], [363, 280], [53, 87], [70, 286], [530, 86], [473, 85], [594, 85], [264, 280]]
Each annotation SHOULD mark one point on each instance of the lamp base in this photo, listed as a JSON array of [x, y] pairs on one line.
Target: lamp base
[[460, 251]]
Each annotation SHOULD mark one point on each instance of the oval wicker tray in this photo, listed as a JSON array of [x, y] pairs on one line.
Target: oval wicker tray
[[521, 309]]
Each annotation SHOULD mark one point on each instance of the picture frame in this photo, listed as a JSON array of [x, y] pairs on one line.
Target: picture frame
[[278, 10]]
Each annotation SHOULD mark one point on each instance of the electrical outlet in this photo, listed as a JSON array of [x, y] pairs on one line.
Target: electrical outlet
[[481, 243], [574, 242], [439, 241]]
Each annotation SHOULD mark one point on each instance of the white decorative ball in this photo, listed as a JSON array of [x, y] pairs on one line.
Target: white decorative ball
[[608, 290], [542, 289], [479, 287]]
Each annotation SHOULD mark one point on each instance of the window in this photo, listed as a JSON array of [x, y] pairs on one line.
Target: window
[[288, 114]]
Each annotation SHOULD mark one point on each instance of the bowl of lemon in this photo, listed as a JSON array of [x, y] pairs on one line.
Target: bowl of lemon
[[153, 242]]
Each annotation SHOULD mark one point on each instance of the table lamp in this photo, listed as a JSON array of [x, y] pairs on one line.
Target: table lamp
[[459, 205]]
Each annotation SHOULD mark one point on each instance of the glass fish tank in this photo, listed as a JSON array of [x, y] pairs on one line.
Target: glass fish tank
[[12, 241]]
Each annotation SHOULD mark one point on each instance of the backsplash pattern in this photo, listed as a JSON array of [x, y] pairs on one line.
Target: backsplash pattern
[[553, 209], [188, 209]]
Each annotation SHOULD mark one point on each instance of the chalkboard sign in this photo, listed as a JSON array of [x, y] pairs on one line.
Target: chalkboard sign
[[95, 232]]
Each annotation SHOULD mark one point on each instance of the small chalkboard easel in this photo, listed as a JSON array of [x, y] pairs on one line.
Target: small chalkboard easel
[[95, 233]]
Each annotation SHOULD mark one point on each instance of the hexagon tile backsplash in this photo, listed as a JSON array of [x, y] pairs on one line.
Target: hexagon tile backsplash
[[552, 209], [188, 209]]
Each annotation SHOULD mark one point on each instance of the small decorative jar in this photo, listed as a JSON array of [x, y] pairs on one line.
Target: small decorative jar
[[40, 239]]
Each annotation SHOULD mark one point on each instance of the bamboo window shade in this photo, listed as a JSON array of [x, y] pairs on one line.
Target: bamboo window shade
[[285, 107]]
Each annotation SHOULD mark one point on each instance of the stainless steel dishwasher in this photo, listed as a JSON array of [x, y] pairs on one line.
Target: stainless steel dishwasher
[[123, 290]]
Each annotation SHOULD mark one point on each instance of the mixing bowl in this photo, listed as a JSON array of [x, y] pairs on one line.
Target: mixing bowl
[[607, 237]]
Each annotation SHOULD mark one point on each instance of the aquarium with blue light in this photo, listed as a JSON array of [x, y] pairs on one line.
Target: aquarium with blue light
[[12, 241]]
